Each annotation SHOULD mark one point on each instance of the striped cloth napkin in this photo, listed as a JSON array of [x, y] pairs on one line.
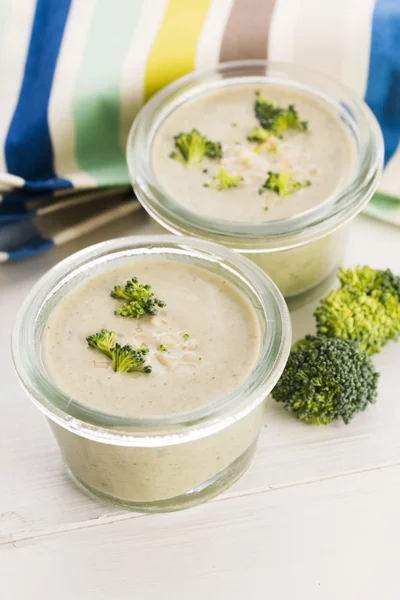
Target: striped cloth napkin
[[73, 74]]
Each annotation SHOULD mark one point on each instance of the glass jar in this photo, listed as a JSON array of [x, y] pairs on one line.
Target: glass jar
[[300, 251], [162, 463]]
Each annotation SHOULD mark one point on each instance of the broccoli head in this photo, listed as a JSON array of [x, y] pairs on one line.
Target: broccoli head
[[140, 299], [224, 180], [213, 149], [193, 147], [259, 134], [282, 184], [365, 309], [276, 119], [124, 358], [127, 359], [103, 341], [326, 379]]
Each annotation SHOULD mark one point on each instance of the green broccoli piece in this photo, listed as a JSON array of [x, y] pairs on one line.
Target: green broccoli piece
[[326, 379], [365, 309], [265, 140], [124, 358], [193, 147], [103, 341], [282, 184], [214, 149], [140, 299], [266, 111], [186, 336], [259, 134], [138, 308], [162, 348], [289, 119], [225, 180], [275, 118]]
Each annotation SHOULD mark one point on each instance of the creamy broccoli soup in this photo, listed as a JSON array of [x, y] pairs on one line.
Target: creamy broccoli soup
[[252, 153], [202, 342]]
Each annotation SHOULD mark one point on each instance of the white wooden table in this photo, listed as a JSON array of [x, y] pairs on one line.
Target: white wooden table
[[317, 516]]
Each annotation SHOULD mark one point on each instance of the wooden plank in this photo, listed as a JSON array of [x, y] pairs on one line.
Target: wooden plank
[[326, 540]]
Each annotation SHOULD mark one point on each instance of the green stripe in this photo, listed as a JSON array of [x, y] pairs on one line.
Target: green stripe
[[385, 208], [386, 199], [96, 100]]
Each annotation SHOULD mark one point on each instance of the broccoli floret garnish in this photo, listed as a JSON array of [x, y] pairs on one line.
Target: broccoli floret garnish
[[326, 379], [275, 119], [282, 184], [259, 134], [103, 341], [186, 336], [214, 149], [162, 348], [140, 299], [224, 180], [139, 308], [366, 308], [193, 147], [124, 358], [265, 140]]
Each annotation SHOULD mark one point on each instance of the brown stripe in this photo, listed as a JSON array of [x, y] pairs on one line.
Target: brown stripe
[[246, 32]]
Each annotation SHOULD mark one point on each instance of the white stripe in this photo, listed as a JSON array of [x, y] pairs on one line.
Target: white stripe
[[91, 223], [209, 44], [319, 36], [12, 64], [134, 65], [390, 183], [8, 181], [61, 118], [357, 44], [282, 30], [79, 199], [333, 37]]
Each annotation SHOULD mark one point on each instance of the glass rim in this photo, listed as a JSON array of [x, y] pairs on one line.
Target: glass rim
[[316, 222], [163, 430]]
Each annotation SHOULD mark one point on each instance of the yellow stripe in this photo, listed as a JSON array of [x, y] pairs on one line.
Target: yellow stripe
[[174, 50]]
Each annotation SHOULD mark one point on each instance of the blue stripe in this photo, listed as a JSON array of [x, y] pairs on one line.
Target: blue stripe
[[28, 147], [15, 206], [35, 246], [22, 239], [43, 186], [16, 218], [16, 203], [10, 212], [383, 90], [16, 197]]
